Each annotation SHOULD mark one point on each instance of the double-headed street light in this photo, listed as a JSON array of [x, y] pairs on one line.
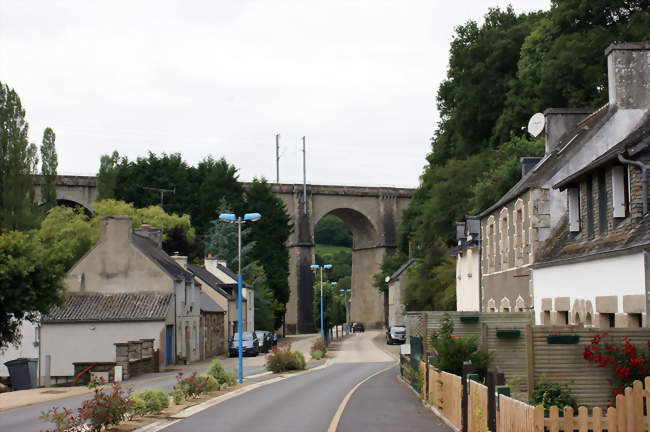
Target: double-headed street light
[[231, 218], [345, 296], [316, 267]]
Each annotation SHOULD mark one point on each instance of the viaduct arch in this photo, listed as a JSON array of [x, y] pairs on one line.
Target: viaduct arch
[[372, 213]]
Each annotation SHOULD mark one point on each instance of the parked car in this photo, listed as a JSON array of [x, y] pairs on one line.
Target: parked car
[[250, 344], [357, 327], [265, 340], [275, 339], [396, 334]]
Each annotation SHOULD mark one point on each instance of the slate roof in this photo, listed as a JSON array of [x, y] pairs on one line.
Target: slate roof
[[546, 168], [159, 256], [638, 140], [212, 280], [562, 247], [91, 307], [462, 247], [232, 275], [401, 270], [208, 305]]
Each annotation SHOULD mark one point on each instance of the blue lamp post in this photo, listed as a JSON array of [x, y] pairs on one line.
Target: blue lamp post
[[231, 218], [316, 267]]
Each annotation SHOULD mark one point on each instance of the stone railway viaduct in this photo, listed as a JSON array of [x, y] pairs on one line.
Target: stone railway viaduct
[[372, 213]]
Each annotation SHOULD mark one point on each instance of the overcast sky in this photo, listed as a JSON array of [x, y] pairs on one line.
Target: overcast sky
[[358, 78]]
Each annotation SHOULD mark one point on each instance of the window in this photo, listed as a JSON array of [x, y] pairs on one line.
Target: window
[[546, 317], [505, 305], [491, 249], [602, 202], [635, 320], [612, 320], [563, 317], [590, 207], [519, 240], [492, 307], [573, 196], [504, 240], [619, 206]]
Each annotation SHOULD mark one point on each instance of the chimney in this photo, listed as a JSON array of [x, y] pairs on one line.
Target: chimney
[[559, 121], [211, 264], [527, 164], [628, 74], [115, 229], [460, 231], [180, 260], [153, 234]]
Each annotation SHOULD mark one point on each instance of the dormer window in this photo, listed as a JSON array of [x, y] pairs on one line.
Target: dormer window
[[573, 196]]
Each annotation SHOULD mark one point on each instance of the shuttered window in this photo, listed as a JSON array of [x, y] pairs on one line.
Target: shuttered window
[[573, 195], [618, 192]]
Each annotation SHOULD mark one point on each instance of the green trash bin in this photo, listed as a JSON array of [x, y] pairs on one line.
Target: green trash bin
[[23, 373]]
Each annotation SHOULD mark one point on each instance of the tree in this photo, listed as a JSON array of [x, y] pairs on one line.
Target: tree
[[107, 175], [18, 160], [30, 283], [67, 234], [333, 305], [49, 164], [389, 265], [270, 235], [222, 241], [431, 282], [333, 231]]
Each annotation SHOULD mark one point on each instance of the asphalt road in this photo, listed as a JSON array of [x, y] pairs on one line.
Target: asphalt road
[[309, 401]]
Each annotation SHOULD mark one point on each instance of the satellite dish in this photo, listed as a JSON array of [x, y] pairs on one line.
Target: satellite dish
[[387, 279], [536, 124]]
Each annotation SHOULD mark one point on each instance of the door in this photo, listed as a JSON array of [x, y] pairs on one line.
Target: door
[[168, 344]]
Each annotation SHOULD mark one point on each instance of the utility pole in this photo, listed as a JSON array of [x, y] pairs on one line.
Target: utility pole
[[277, 158], [162, 198], [304, 178]]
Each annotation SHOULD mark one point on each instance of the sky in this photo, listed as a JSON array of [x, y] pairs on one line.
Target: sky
[[357, 78]]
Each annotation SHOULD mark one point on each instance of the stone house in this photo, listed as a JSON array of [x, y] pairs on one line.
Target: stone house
[[396, 285], [109, 289], [468, 275], [595, 269], [514, 230]]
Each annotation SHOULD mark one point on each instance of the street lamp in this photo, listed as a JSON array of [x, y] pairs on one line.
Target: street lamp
[[347, 308], [316, 267], [231, 218]]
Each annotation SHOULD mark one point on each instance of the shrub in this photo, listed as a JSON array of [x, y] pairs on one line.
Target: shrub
[[154, 401], [194, 385], [139, 407], [177, 395], [281, 360], [317, 354], [451, 351], [629, 362], [64, 420], [319, 345], [222, 376], [552, 394], [211, 383]]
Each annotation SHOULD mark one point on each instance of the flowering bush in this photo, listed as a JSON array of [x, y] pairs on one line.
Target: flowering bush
[[629, 362], [195, 385], [107, 407], [319, 345], [281, 360]]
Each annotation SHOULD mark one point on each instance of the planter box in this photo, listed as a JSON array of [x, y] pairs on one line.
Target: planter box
[[508, 333], [563, 339], [469, 319]]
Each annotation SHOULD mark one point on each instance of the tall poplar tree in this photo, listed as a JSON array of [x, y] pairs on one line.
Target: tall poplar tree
[[18, 160], [49, 164]]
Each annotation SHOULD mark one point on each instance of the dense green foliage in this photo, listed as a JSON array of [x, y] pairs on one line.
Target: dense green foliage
[[30, 282], [285, 359], [452, 351], [333, 304], [149, 401], [222, 376], [552, 394], [500, 73], [333, 231]]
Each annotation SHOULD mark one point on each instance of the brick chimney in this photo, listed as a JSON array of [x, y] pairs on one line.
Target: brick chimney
[[115, 229], [152, 233], [628, 74]]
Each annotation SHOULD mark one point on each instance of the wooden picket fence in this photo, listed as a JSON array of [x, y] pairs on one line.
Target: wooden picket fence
[[626, 416], [477, 407], [445, 394]]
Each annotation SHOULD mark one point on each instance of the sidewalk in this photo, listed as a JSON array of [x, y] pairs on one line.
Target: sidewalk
[[22, 398]]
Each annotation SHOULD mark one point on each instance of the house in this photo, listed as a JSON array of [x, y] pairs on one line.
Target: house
[[467, 253], [212, 333], [516, 228], [396, 285], [126, 288], [595, 269]]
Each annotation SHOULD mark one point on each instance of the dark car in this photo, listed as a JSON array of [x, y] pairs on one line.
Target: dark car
[[275, 339], [265, 340], [250, 344], [396, 334], [357, 327]]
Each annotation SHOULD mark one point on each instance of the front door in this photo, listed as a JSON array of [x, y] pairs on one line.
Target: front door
[[168, 344]]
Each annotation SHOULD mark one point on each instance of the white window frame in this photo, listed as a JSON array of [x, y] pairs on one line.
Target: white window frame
[[618, 192], [573, 198]]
